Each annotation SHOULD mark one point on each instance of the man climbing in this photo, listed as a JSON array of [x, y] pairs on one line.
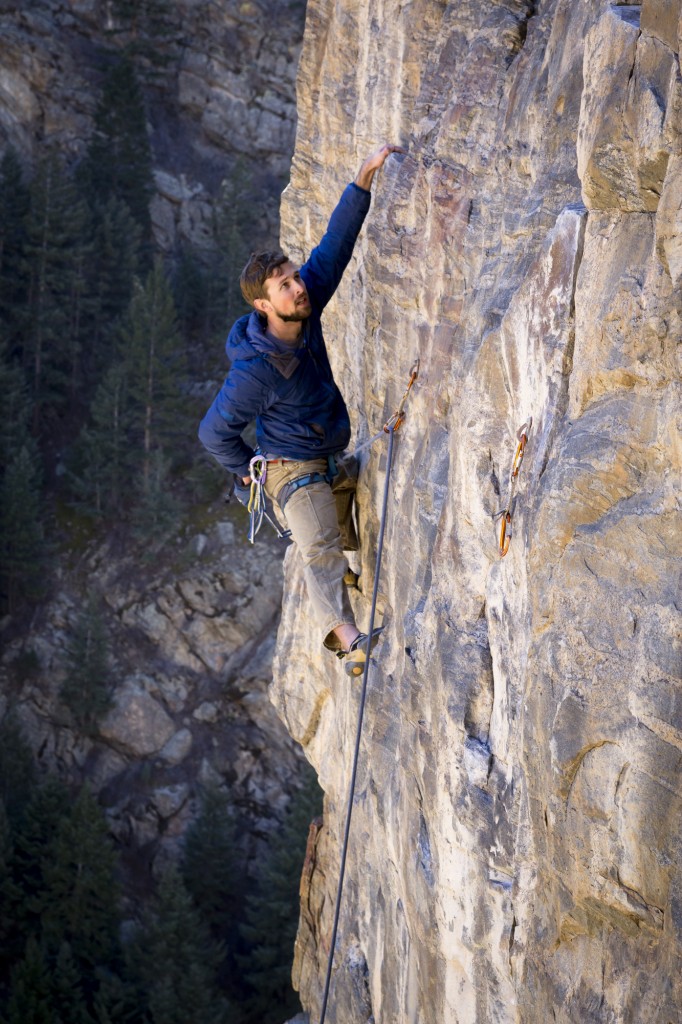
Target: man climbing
[[280, 376]]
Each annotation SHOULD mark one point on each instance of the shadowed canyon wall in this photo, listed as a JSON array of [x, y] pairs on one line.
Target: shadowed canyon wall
[[190, 626], [218, 84], [515, 852]]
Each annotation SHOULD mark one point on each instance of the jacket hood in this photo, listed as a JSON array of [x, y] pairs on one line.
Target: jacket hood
[[248, 340]]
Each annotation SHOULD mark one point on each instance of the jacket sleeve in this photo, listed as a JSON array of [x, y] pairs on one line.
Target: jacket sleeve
[[239, 401], [328, 260]]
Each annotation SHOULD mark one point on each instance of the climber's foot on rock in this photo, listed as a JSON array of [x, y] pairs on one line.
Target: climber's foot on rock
[[356, 655]]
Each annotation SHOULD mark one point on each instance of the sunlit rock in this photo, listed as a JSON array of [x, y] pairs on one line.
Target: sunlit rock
[[515, 847]]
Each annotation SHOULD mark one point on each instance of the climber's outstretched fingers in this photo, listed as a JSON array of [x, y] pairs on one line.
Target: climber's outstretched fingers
[[374, 162]]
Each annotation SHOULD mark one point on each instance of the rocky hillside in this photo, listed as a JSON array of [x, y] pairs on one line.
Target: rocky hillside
[[515, 853], [191, 632], [190, 623], [218, 82]]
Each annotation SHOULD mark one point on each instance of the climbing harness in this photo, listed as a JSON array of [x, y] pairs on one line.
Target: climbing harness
[[506, 513], [258, 467], [292, 486], [390, 427]]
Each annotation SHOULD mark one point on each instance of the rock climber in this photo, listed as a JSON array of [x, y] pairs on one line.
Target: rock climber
[[280, 376]]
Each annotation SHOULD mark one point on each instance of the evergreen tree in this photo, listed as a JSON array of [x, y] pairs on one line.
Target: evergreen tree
[[86, 689], [57, 251], [34, 838], [66, 997], [272, 912], [148, 25], [212, 866], [119, 159], [118, 999], [101, 457], [155, 359], [30, 995], [190, 294], [78, 900], [118, 239], [17, 770], [233, 241], [11, 941], [157, 508], [14, 206], [15, 422], [176, 960], [22, 542], [22, 546]]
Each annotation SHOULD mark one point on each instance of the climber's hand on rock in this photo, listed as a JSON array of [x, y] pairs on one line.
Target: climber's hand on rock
[[373, 162]]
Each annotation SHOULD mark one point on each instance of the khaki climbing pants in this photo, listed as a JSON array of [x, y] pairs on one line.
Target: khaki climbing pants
[[320, 518]]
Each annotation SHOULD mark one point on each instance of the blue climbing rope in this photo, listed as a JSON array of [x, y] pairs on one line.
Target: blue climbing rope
[[391, 428]]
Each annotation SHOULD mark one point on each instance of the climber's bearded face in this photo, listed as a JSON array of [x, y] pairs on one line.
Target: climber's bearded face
[[287, 294]]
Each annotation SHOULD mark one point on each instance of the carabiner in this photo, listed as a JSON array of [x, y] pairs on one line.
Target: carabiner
[[398, 417], [505, 533]]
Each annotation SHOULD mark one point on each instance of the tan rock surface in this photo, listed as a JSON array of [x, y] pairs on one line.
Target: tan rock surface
[[515, 853]]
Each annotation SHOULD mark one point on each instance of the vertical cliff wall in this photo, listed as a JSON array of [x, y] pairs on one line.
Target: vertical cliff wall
[[516, 849]]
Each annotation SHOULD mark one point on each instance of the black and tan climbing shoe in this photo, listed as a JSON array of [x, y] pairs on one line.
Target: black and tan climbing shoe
[[356, 655]]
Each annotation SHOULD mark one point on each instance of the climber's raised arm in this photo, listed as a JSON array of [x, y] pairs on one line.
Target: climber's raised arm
[[326, 264], [373, 163]]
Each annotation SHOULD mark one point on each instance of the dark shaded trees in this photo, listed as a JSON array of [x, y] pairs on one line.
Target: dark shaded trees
[[271, 913], [119, 160], [87, 686], [176, 960]]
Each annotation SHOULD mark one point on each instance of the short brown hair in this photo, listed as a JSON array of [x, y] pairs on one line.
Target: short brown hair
[[259, 267]]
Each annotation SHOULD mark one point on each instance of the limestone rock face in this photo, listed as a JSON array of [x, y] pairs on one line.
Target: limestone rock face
[[515, 850]]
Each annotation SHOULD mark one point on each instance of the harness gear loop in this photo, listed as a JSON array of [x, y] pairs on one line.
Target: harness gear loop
[[506, 513], [258, 469]]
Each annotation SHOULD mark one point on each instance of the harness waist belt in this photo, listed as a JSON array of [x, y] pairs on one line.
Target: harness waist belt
[[301, 481], [304, 481]]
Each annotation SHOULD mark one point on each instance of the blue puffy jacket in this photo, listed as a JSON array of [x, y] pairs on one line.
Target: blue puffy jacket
[[299, 411]]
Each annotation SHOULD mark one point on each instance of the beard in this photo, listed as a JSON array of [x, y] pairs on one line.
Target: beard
[[296, 317], [293, 317]]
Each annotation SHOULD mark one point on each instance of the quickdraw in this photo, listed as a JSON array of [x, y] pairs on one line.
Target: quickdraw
[[398, 416], [506, 513]]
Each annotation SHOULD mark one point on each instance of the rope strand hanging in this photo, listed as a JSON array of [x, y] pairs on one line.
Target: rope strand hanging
[[390, 427]]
